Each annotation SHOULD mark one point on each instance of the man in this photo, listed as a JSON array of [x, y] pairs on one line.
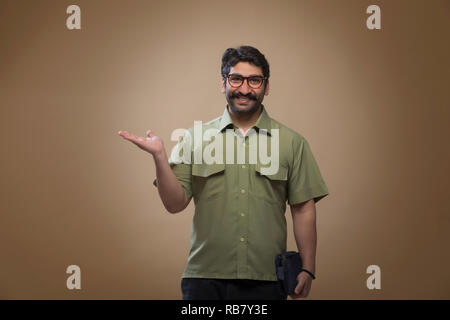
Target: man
[[239, 224]]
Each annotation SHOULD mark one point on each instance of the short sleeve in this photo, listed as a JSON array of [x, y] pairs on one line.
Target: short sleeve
[[305, 181], [181, 169]]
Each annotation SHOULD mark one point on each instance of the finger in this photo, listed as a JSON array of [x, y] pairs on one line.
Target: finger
[[149, 133], [299, 287], [303, 294], [124, 134], [131, 137], [135, 137], [305, 291]]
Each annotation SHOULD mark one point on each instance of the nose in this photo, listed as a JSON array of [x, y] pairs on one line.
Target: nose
[[244, 88]]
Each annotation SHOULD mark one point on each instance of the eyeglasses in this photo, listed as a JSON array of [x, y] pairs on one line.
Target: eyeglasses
[[254, 82]]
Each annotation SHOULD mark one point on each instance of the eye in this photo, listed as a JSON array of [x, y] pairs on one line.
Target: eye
[[236, 79], [255, 80]]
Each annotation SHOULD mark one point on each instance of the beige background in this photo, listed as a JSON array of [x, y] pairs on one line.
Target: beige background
[[372, 104]]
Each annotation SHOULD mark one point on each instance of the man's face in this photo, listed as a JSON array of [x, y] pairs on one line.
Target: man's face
[[245, 99]]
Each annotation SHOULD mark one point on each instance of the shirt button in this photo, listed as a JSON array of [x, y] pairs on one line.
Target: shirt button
[[242, 190], [242, 239], [242, 214], [243, 166]]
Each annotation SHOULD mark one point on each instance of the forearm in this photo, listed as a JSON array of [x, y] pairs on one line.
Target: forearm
[[169, 188], [305, 232]]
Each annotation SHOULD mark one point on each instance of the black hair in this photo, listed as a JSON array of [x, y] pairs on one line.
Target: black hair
[[232, 56]]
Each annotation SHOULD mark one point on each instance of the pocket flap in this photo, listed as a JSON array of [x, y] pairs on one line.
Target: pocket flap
[[205, 170], [281, 174]]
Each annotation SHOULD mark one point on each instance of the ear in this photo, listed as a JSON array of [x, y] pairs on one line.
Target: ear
[[266, 91], [222, 89]]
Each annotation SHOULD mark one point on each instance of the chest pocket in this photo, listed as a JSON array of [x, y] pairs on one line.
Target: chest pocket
[[271, 187], [208, 180]]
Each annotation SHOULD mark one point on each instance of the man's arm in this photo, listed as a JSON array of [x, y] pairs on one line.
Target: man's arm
[[169, 188], [304, 222]]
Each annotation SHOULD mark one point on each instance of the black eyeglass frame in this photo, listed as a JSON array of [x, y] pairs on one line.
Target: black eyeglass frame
[[244, 79]]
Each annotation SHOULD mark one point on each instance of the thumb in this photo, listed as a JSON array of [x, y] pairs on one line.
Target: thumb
[[149, 133], [299, 287]]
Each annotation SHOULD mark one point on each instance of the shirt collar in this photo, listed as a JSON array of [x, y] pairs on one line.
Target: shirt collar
[[263, 123]]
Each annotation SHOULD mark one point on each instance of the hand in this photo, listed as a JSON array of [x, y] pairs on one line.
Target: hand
[[303, 286], [151, 143]]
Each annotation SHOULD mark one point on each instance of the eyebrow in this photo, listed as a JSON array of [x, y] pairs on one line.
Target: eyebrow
[[252, 75]]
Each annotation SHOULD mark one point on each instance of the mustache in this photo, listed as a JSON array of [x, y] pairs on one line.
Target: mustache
[[240, 95]]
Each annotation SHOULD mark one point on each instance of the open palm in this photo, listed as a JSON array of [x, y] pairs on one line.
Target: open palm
[[151, 143]]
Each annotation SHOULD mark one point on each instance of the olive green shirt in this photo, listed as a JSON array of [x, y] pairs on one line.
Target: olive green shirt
[[239, 224]]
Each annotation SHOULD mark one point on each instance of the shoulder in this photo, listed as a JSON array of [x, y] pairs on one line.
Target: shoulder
[[289, 136]]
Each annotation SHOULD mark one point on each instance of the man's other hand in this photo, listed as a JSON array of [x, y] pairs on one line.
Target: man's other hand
[[303, 286], [151, 143]]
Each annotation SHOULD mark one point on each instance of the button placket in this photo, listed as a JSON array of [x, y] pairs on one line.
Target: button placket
[[243, 183]]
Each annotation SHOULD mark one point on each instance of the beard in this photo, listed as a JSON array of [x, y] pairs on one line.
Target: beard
[[252, 106]]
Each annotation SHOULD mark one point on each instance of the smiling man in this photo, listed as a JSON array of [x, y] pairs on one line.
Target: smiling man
[[239, 224]]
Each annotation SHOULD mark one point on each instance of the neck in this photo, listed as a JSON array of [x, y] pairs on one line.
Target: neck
[[245, 121]]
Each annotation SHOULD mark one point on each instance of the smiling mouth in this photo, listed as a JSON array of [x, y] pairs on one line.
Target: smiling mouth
[[243, 100]]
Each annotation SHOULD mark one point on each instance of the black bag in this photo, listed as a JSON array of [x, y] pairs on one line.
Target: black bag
[[288, 265]]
